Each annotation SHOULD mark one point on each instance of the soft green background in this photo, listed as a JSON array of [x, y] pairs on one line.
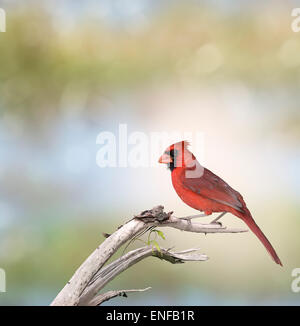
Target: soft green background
[[71, 69]]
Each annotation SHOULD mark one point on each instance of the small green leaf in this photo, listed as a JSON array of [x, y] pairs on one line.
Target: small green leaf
[[161, 234], [156, 246]]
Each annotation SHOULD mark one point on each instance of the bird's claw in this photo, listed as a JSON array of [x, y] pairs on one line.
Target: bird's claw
[[189, 220], [217, 223]]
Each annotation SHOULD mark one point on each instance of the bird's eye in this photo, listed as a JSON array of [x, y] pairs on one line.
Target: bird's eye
[[167, 152]]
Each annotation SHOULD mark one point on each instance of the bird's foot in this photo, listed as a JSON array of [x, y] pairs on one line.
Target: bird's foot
[[215, 221]]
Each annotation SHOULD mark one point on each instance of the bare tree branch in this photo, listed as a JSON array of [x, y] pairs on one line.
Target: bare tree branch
[[91, 276], [71, 292], [187, 225], [108, 273]]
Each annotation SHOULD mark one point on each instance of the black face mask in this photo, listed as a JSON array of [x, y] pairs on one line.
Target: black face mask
[[173, 154]]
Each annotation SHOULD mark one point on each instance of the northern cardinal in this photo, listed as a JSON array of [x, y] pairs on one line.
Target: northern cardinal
[[201, 189]]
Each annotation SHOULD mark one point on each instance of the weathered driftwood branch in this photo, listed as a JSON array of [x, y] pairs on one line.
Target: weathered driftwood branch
[[109, 272], [92, 276]]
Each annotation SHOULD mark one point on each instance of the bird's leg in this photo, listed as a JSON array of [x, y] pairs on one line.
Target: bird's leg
[[215, 221], [188, 218]]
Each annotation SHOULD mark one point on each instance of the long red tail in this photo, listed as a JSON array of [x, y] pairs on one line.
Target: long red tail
[[248, 219]]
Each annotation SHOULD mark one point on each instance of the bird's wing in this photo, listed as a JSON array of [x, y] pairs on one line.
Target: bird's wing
[[214, 188]]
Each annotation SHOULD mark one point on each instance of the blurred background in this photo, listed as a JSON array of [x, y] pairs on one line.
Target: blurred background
[[71, 69]]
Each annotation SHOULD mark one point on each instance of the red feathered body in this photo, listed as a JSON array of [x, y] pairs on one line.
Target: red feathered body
[[203, 190]]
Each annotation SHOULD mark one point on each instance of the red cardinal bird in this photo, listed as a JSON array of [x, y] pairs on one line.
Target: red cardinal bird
[[203, 190]]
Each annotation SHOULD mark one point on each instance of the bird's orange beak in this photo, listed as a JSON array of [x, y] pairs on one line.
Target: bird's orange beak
[[165, 159]]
